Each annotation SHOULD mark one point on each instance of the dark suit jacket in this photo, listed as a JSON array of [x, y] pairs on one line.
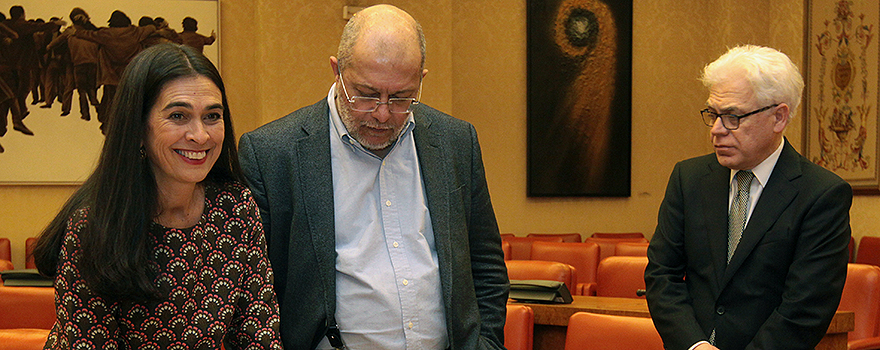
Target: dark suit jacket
[[783, 283], [287, 163]]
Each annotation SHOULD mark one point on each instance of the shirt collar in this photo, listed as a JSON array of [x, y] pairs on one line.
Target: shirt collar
[[763, 170]]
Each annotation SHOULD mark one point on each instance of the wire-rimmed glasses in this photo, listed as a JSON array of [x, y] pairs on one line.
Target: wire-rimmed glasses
[[370, 104]]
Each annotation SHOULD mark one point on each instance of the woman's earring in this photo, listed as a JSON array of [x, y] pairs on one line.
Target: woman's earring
[[143, 153]]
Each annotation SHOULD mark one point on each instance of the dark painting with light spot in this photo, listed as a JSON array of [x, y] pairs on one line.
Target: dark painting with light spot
[[579, 97]]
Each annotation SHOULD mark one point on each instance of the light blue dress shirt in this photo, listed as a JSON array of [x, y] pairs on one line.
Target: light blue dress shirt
[[388, 293]]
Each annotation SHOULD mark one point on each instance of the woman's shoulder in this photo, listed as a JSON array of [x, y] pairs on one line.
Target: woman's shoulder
[[228, 190], [229, 195]]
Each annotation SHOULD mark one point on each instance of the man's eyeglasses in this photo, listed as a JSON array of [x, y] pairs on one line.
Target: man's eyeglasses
[[370, 104], [729, 121]]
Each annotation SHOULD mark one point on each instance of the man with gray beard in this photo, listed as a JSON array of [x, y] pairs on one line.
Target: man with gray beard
[[376, 208]]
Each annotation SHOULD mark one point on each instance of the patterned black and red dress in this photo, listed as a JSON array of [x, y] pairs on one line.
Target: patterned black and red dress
[[216, 274]]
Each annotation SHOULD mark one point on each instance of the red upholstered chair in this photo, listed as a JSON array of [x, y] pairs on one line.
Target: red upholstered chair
[[852, 246], [5, 249], [541, 270], [27, 307], [621, 276], [861, 295], [631, 249], [5, 265], [611, 332], [607, 246], [869, 251], [505, 247], [519, 328], [566, 237], [29, 253], [521, 247], [5, 255], [584, 257], [618, 235], [23, 338]]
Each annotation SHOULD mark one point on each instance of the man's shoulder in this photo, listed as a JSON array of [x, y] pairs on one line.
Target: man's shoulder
[[438, 120], [308, 116], [813, 173], [701, 163]]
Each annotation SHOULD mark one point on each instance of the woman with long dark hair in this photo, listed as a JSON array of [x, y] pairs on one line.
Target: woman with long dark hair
[[162, 246]]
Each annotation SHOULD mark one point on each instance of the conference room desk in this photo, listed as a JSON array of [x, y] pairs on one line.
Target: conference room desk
[[551, 320]]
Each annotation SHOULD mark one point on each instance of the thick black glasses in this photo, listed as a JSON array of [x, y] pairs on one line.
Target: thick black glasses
[[729, 121], [370, 104]]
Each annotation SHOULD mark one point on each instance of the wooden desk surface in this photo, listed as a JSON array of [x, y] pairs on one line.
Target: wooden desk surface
[[552, 318]]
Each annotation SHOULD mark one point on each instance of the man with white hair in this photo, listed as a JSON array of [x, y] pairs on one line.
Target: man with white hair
[[750, 249]]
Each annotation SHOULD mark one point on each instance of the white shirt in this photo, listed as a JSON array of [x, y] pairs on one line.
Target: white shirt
[[388, 293]]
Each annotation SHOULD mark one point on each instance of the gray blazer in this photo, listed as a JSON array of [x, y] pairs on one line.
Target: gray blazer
[[782, 286], [287, 164]]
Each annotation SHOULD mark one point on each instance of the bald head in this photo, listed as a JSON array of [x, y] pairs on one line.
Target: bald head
[[381, 32]]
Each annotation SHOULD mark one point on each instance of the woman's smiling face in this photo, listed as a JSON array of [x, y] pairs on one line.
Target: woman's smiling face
[[185, 130]]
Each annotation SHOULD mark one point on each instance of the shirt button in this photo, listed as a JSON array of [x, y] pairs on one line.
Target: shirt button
[[387, 203], [395, 244], [410, 325], [405, 282]]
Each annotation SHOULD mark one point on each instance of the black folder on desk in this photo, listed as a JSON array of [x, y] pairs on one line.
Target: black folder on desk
[[25, 278], [540, 291]]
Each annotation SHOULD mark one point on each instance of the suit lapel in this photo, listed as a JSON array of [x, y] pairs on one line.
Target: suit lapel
[[777, 195], [715, 194], [435, 169], [316, 189]]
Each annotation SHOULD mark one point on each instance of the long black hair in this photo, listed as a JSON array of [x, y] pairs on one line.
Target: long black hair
[[121, 194]]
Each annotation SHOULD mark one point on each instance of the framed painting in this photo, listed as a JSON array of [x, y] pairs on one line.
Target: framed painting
[[841, 97], [579, 71], [64, 145]]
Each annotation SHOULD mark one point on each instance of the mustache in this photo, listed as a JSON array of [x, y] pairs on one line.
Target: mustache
[[377, 125]]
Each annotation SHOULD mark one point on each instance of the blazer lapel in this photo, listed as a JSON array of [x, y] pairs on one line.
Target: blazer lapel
[[715, 194], [435, 169], [777, 195], [316, 189]]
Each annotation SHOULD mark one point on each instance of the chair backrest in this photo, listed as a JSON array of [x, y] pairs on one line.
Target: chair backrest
[[584, 257], [621, 276], [27, 307], [29, 253], [541, 270], [852, 246], [5, 265], [869, 251], [519, 328], [861, 295], [611, 332], [618, 235], [566, 237], [5, 249], [631, 249], [607, 246], [521, 247], [505, 247], [23, 339]]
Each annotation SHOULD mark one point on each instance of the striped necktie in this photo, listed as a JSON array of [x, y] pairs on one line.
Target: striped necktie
[[736, 221]]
